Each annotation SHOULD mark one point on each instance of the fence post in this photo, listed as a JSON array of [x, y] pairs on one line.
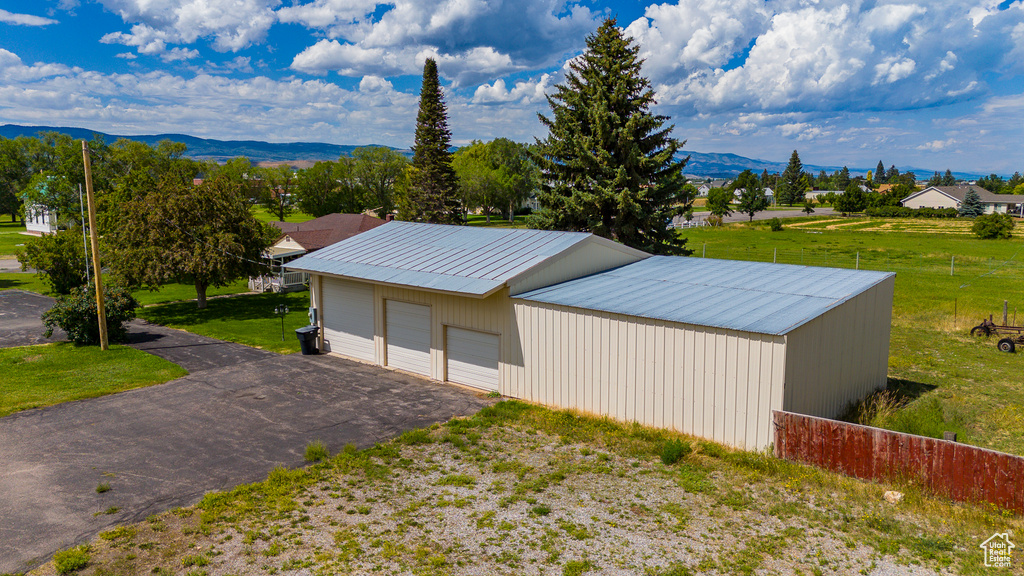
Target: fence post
[[858, 260], [775, 256], [704, 254], [952, 263]]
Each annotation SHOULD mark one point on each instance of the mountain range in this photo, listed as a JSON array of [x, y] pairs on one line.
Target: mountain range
[[701, 164]]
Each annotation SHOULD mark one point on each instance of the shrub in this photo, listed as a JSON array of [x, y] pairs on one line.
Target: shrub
[[775, 224], [904, 212], [71, 560], [57, 257], [76, 315], [992, 226], [674, 450], [103, 487], [714, 220], [316, 451]]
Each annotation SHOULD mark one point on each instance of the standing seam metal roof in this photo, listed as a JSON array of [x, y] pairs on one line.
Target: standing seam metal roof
[[747, 296], [448, 258]]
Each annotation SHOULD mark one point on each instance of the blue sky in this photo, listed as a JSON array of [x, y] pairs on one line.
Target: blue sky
[[932, 83]]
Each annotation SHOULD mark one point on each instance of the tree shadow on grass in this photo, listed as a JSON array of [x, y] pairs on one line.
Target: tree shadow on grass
[[243, 307]]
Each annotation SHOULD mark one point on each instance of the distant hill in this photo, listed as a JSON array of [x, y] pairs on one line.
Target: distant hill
[[254, 150], [701, 164]]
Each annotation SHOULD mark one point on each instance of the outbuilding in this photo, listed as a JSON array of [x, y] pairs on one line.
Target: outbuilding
[[573, 320]]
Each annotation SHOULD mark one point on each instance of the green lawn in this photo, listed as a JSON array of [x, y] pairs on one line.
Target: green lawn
[[956, 382], [28, 282], [179, 292], [9, 241], [247, 319], [496, 221], [261, 214], [37, 376]]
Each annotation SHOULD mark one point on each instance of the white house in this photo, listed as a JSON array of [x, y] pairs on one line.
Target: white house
[[953, 196], [39, 220], [572, 320]]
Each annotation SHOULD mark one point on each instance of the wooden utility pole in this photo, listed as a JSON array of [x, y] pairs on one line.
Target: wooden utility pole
[[94, 238]]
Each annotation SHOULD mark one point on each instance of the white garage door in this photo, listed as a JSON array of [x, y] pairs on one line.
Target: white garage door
[[408, 336], [348, 318], [472, 358]]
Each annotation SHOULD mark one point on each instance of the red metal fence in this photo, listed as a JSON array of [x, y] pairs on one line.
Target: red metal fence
[[949, 469]]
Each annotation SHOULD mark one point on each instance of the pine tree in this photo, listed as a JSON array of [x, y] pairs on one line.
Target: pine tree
[[609, 163], [790, 181], [843, 180], [880, 173], [971, 206], [433, 194], [948, 179], [935, 180]]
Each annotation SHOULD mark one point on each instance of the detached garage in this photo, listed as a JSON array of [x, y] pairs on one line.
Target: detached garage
[[434, 300], [572, 320]]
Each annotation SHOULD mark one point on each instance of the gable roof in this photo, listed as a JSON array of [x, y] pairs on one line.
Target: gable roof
[[459, 259], [958, 193], [325, 230], [731, 294]]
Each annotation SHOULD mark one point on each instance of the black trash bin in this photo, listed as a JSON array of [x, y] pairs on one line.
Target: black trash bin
[[307, 339]]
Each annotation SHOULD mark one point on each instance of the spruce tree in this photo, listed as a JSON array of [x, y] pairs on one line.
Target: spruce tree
[[948, 179], [971, 206], [609, 164], [880, 173], [790, 185], [433, 194]]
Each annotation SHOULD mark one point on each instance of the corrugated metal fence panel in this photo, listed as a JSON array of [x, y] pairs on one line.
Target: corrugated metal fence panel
[[956, 471], [714, 383]]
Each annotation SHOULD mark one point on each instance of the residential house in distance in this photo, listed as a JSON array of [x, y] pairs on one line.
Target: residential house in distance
[[952, 196], [39, 220], [300, 238], [706, 187]]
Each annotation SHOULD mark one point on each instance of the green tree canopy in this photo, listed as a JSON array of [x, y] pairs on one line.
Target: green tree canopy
[[719, 200], [791, 186], [992, 183], [433, 194], [971, 207], [15, 173], [948, 179], [204, 234], [609, 163], [851, 200], [380, 173], [752, 197], [495, 176]]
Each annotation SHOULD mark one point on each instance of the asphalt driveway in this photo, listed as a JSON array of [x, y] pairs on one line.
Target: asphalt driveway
[[167, 445], [19, 319]]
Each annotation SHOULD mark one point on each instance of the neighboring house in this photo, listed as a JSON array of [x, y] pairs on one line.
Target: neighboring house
[[706, 187], [39, 220], [952, 196], [572, 320], [768, 193], [302, 238]]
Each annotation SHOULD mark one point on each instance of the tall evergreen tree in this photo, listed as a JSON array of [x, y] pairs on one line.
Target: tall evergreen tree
[[879, 173], [790, 181], [843, 180], [434, 188], [609, 164], [971, 206], [935, 180], [948, 179]]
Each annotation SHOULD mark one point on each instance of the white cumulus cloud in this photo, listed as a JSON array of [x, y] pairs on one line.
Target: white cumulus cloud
[[24, 19]]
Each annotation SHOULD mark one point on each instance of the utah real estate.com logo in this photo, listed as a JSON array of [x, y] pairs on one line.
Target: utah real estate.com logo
[[998, 550]]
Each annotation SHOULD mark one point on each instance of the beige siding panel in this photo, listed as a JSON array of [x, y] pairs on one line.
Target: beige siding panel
[[931, 199], [687, 378], [588, 257], [840, 357]]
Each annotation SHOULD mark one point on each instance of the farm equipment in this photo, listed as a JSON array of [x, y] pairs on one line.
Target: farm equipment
[[1010, 336]]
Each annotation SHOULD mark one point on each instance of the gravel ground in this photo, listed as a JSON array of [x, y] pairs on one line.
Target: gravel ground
[[513, 501]]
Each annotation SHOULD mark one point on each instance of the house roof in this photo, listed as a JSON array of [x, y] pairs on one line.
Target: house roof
[[460, 259], [326, 230], [736, 295], [957, 193]]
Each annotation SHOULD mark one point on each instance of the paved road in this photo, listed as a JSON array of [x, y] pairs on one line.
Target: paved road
[[165, 446], [20, 323], [12, 265]]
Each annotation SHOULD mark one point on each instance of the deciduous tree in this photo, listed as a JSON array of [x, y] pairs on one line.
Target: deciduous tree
[[752, 197], [203, 234], [379, 171], [609, 164]]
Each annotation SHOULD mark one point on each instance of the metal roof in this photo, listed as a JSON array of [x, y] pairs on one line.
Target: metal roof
[[736, 295], [475, 261]]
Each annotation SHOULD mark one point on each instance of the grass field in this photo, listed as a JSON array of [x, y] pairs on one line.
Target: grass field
[[518, 489], [247, 319], [955, 382], [37, 376], [496, 221], [179, 292], [262, 214], [11, 237], [27, 282]]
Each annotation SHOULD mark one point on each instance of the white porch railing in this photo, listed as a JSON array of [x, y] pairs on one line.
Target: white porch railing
[[278, 282]]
